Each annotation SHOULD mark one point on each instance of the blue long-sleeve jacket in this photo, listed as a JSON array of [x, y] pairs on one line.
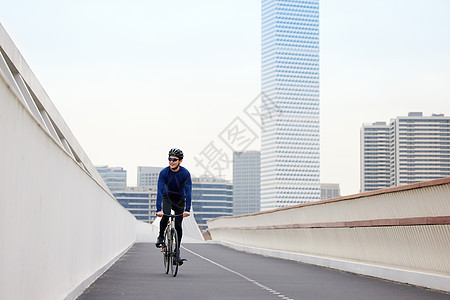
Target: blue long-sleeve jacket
[[176, 185]]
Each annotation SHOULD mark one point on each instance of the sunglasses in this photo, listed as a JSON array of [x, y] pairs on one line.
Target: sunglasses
[[173, 159]]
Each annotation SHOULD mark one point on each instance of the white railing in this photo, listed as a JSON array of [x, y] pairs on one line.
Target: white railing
[[401, 233]]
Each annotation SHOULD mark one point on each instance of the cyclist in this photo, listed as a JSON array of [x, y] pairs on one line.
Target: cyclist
[[174, 192]]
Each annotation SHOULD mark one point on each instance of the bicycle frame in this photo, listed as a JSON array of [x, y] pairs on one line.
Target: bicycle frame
[[171, 247]]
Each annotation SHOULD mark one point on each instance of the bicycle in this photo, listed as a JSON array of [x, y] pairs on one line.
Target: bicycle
[[171, 247]]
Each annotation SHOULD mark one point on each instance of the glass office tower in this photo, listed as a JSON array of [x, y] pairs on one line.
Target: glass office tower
[[246, 182], [211, 198], [290, 103], [138, 201]]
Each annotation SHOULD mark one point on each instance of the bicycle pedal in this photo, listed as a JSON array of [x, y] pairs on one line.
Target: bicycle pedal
[[182, 261]]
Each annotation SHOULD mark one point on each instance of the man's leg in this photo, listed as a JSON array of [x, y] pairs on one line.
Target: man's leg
[[179, 209], [178, 222], [166, 206]]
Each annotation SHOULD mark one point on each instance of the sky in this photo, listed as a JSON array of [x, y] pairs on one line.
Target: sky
[[134, 78]]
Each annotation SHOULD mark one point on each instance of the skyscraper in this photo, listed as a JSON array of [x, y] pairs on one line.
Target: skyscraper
[[290, 103], [410, 149], [246, 182]]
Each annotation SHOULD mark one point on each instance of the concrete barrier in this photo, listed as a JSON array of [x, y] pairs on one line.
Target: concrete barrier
[[401, 233]]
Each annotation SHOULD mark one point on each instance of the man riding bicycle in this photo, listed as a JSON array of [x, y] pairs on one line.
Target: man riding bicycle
[[174, 192]]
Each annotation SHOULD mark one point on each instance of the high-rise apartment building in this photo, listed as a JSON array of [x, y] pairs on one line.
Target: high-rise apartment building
[[211, 198], [115, 178], [147, 177], [246, 182], [376, 145], [290, 103], [407, 150]]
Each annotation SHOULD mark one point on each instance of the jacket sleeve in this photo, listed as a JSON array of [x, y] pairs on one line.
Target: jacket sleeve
[[188, 192], [161, 191]]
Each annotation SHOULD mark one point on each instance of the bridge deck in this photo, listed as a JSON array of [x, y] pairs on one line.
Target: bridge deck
[[216, 272]]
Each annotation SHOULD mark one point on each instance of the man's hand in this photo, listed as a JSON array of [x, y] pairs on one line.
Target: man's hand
[[186, 214], [160, 214]]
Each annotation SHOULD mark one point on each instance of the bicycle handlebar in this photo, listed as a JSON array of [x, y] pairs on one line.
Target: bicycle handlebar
[[172, 215]]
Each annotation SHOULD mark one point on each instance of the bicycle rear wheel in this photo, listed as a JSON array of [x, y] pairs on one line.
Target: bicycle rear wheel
[[174, 253], [166, 251]]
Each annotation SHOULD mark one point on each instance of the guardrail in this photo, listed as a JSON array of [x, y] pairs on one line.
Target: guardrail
[[401, 233]]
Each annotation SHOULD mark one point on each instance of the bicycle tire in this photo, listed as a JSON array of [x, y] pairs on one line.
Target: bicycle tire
[[166, 251], [174, 253]]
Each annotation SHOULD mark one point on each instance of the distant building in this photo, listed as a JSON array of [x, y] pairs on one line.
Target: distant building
[[138, 201], [115, 178], [407, 150], [329, 190], [147, 177], [376, 145], [211, 198], [246, 182]]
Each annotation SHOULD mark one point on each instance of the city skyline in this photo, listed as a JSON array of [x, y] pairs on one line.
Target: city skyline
[[125, 75]]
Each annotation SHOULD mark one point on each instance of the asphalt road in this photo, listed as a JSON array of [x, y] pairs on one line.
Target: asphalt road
[[216, 272]]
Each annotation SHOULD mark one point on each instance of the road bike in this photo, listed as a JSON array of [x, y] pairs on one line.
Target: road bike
[[171, 247]]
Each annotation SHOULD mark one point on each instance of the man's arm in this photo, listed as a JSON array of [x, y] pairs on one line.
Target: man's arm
[[161, 190], [188, 192]]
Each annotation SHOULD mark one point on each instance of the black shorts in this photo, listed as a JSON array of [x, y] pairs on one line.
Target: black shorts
[[177, 206]]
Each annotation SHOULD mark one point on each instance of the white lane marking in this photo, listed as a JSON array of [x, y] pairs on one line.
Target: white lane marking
[[241, 275]]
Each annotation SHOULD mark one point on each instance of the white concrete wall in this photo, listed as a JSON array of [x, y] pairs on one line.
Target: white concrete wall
[[58, 226]]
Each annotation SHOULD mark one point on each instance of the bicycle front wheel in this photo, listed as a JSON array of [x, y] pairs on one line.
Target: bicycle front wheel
[[166, 251], [174, 251]]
